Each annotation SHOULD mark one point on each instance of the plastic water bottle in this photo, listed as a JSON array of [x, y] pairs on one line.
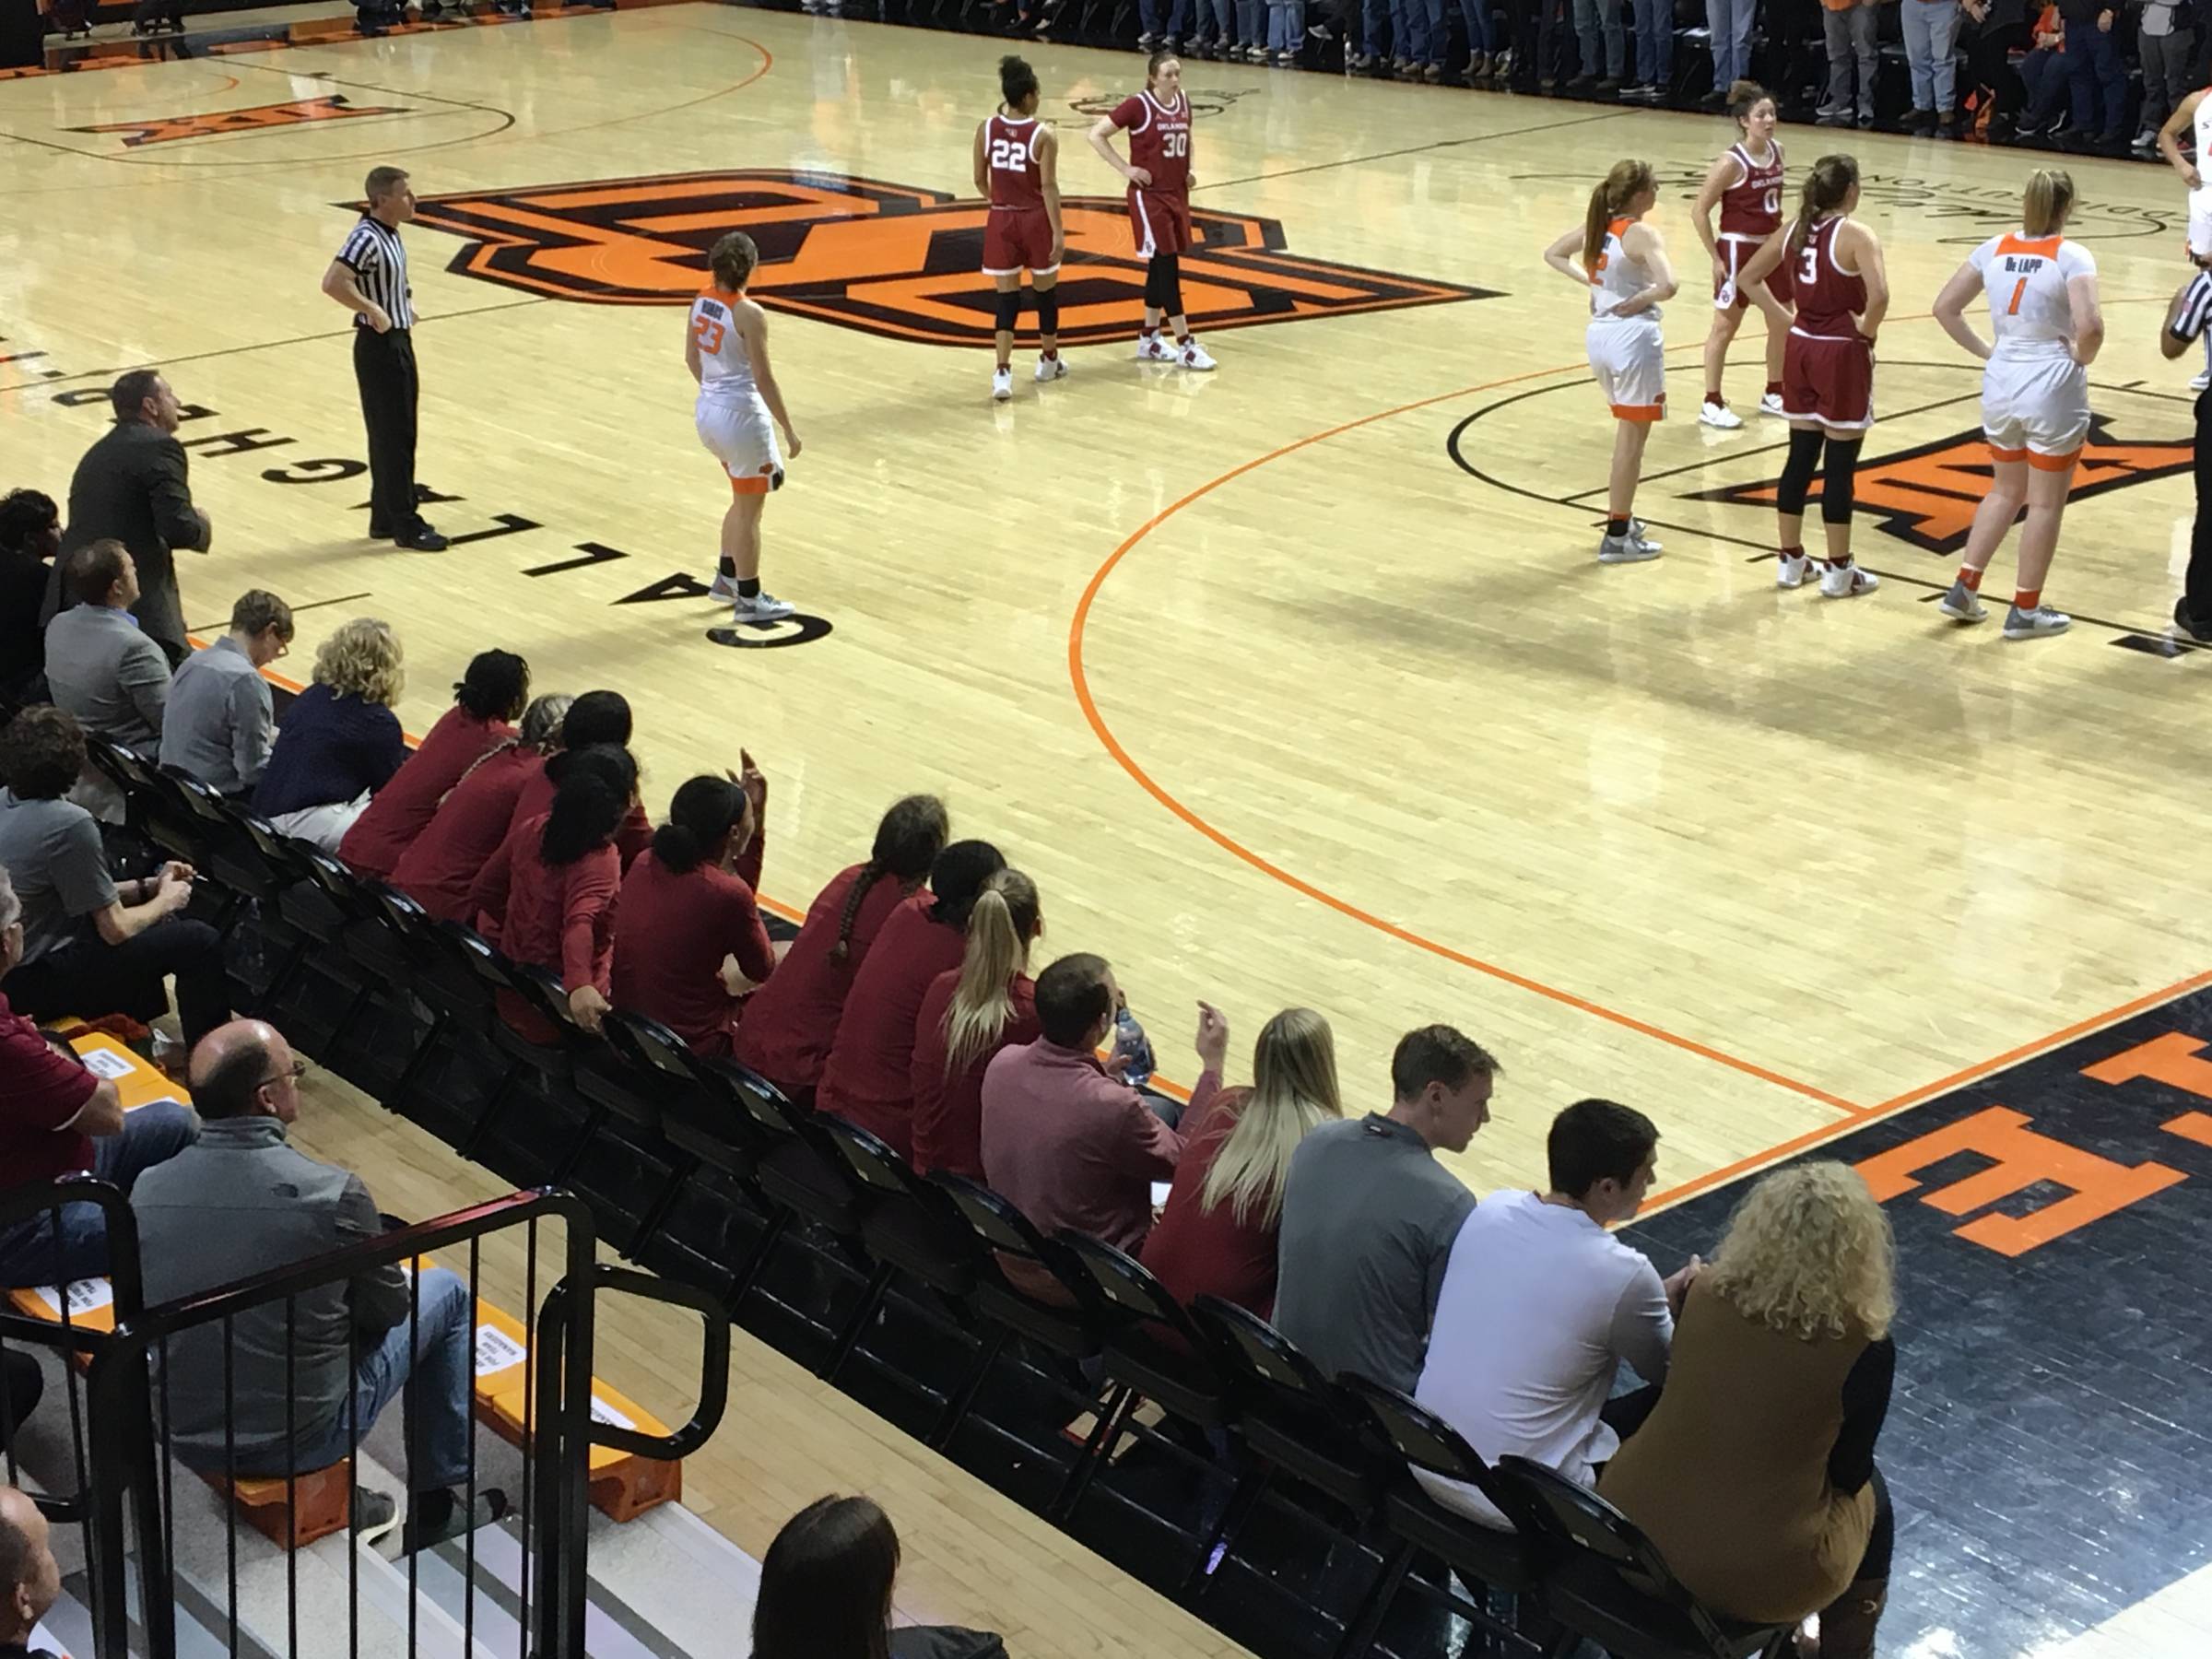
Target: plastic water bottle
[[1130, 1040]]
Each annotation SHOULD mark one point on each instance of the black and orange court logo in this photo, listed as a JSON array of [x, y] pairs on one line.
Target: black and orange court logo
[[261, 118], [891, 259], [1927, 495]]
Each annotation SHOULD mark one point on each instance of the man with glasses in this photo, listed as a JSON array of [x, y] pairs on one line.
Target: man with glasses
[[221, 719], [57, 1118], [305, 1376]]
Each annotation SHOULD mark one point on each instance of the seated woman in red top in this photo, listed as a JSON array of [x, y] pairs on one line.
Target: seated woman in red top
[[596, 717], [970, 1012], [687, 907], [488, 696], [866, 1079], [440, 863], [548, 897], [1217, 1235], [791, 1021]]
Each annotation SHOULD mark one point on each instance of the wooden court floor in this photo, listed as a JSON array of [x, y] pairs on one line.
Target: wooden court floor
[[1295, 683]]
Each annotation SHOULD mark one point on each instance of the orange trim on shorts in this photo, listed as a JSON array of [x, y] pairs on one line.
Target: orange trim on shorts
[[2043, 463], [1651, 411], [751, 484], [2045, 245], [2006, 455]]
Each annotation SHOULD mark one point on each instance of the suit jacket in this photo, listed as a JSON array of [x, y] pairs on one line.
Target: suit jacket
[[131, 487]]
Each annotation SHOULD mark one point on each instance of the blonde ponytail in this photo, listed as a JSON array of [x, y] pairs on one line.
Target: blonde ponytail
[[2049, 198], [1628, 181], [1000, 925]]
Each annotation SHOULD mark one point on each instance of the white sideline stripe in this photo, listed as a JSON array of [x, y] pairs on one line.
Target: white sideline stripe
[[2168, 1625]]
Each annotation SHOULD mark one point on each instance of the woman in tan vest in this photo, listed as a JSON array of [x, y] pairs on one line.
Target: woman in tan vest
[[1755, 1473]]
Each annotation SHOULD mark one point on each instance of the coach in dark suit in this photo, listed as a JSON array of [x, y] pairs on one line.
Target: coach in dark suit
[[131, 488]]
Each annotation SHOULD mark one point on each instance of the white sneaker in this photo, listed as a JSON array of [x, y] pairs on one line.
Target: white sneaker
[[1791, 572], [1002, 384], [1630, 548], [1194, 356], [1638, 533], [2201, 382], [760, 607], [1052, 369], [1769, 403], [1151, 349], [724, 588], [1962, 604], [1847, 581], [2034, 624], [1719, 415]]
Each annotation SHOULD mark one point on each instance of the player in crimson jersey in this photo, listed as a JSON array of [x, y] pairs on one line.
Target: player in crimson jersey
[[1157, 120], [1746, 185], [1827, 368], [1017, 169]]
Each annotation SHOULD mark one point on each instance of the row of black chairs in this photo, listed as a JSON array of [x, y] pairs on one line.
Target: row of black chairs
[[703, 1170]]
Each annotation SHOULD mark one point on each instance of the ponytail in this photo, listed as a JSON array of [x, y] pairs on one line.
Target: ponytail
[[1826, 186], [956, 875], [592, 797], [1000, 925], [2048, 200], [908, 841], [699, 819], [1628, 181]]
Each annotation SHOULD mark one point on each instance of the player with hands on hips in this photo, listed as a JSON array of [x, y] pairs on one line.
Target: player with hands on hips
[[1157, 120]]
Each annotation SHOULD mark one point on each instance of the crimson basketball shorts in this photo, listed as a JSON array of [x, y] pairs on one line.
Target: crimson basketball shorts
[[743, 437], [2035, 408], [1829, 378], [1017, 239], [1728, 293], [1627, 359], [1160, 223]]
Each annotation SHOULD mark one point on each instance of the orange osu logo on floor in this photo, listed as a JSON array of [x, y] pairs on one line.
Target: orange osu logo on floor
[[1927, 495], [260, 118], [893, 260]]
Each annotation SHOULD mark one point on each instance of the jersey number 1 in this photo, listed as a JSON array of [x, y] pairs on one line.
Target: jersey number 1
[[2019, 288]]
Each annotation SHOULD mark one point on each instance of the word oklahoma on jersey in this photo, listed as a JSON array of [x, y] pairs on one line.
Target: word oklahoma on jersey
[[1159, 141], [1750, 212], [1018, 233]]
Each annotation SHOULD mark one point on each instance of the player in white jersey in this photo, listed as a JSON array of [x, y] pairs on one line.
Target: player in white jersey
[[726, 346], [2194, 112], [2035, 393], [1620, 263]]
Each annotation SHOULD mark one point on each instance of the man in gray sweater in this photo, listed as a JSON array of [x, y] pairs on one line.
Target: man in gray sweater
[[243, 1202]]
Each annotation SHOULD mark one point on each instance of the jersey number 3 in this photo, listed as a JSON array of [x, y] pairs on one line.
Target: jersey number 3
[[709, 333], [1808, 263]]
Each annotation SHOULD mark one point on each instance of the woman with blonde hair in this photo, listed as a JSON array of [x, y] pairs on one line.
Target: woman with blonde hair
[[1620, 263], [339, 742], [967, 1015], [1217, 1236], [2035, 394], [1755, 1473]]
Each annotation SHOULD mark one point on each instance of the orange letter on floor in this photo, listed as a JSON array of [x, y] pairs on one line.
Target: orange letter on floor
[[2021, 1157], [2174, 1058]]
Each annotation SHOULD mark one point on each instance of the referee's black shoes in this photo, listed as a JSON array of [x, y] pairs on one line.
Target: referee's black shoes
[[2183, 619], [420, 538]]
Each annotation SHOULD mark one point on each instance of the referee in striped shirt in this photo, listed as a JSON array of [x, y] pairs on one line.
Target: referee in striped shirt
[[370, 279], [2187, 317]]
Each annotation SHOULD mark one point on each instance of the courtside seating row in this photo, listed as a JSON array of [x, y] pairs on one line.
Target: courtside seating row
[[622, 1484], [820, 1239]]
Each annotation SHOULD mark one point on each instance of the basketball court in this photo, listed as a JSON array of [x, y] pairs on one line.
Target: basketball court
[[1293, 683]]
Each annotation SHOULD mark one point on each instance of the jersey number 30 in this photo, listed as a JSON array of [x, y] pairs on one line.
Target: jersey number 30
[[1172, 145]]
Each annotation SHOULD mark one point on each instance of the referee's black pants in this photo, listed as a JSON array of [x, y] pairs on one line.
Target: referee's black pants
[[2196, 595], [384, 367]]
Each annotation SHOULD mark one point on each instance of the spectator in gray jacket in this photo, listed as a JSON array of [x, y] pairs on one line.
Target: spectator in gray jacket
[[1369, 1215], [240, 1202], [99, 665], [221, 719]]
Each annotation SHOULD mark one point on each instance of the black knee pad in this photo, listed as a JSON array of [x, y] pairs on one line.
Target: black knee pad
[[1159, 277], [1839, 480], [1797, 471], [1009, 309], [1048, 310]]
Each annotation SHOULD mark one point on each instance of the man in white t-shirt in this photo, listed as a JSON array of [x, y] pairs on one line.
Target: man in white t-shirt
[[1540, 1304]]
